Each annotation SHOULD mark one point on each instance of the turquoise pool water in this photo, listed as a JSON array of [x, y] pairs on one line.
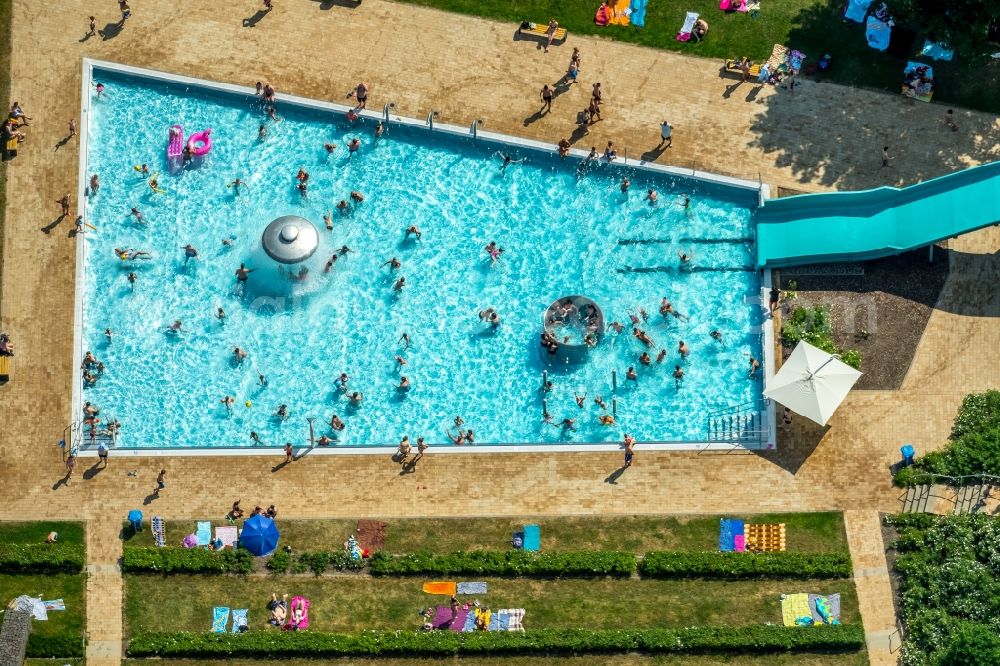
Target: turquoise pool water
[[561, 235]]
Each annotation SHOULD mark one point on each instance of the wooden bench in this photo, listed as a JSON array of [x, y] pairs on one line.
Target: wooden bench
[[4, 369], [542, 30]]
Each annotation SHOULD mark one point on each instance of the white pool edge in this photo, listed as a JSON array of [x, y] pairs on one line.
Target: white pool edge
[[89, 64]]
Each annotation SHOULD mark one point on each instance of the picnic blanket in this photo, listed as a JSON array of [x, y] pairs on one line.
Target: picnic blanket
[[684, 34], [204, 532], [857, 10], [620, 12], [795, 610], [441, 587], [877, 32], [924, 91], [638, 13], [220, 618], [471, 588], [159, 532], [830, 604], [936, 51], [240, 619], [442, 618], [761, 538], [55, 604], [227, 535], [532, 537], [511, 619], [371, 535], [729, 528], [31, 605]]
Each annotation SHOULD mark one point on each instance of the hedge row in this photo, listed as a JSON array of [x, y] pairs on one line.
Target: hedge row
[[507, 563], [62, 646], [41, 557], [695, 640], [138, 559], [746, 565], [315, 561]]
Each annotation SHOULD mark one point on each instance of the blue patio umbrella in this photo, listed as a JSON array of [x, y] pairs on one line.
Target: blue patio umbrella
[[260, 535], [135, 519]]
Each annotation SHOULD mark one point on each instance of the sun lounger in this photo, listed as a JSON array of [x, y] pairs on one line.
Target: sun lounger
[[765, 538], [532, 537], [159, 532], [684, 34], [542, 30], [220, 618], [240, 620]]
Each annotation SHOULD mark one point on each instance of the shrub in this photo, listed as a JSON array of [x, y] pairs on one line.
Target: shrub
[[751, 639], [41, 557], [814, 325], [745, 565], [279, 562], [64, 646], [169, 559], [507, 563]]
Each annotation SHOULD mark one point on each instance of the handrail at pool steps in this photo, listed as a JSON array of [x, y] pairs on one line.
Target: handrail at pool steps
[[870, 224], [745, 422]]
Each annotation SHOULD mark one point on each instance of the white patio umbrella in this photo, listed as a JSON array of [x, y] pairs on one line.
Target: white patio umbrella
[[812, 383]]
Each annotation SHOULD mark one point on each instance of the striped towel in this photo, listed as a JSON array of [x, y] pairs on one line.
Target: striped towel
[[471, 588], [204, 532], [240, 619], [220, 618], [159, 532], [515, 616], [59, 604]]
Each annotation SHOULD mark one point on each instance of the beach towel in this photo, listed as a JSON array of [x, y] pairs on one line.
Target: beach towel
[[204, 532], [739, 543], [371, 535], [240, 620], [795, 607], [515, 616], [532, 537], [55, 604], [442, 618], [220, 618], [159, 532], [638, 13], [684, 34], [470, 623], [190, 541], [227, 535], [877, 32], [924, 91], [857, 10], [936, 51], [825, 609], [728, 529], [471, 588], [620, 12], [603, 15], [733, 5], [441, 587], [296, 603], [31, 605]]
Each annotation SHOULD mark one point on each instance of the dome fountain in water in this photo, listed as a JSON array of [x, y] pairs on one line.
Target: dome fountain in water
[[284, 260], [573, 326]]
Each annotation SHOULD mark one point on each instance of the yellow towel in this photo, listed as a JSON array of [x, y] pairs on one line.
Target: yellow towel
[[794, 606], [441, 587], [618, 15]]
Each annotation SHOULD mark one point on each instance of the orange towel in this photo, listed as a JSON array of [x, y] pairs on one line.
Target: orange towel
[[440, 587], [619, 17]]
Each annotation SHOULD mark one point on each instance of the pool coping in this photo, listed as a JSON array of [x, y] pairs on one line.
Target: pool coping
[[473, 131]]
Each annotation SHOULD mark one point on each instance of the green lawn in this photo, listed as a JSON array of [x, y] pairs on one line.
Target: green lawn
[[814, 27], [806, 532], [12, 532], [852, 659], [355, 603], [70, 587]]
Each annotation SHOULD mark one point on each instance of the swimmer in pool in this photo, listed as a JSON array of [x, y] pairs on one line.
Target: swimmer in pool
[[340, 383], [131, 254], [400, 362], [176, 327], [354, 146], [507, 160], [356, 196], [400, 283], [651, 197], [154, 184], [393, 264], [336, 423], [329, 263], [228, 402], [379, 130], [404, 384], [329, 147], [220, 314], [141, 168], [189, 253], [261, 132], [343, 207], [138, 216], [239, 355], [414, 230], [716, 335], [236, 185], [328, 220], [494, 252], [405, 339], [344, 251]]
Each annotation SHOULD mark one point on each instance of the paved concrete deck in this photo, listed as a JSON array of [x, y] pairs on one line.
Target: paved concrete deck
[[825, 136]]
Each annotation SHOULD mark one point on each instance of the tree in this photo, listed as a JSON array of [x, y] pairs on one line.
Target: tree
[[967, 26]]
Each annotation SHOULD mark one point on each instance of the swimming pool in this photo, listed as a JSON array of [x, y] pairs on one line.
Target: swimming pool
[[561, 235]]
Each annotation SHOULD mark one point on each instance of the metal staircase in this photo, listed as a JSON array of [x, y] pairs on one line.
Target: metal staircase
[[970, 498], [739, 424]]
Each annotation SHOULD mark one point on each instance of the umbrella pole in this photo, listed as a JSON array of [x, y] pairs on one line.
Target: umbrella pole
[[813, 373]]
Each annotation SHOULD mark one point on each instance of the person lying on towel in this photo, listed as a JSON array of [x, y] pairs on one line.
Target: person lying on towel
[[700, 29]]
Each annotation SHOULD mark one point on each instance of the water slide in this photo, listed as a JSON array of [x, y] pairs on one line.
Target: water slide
[[854, 226]]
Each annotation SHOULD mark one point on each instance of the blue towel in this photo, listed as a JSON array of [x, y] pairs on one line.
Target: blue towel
[[728, 529], [878, 33], [503, 621], [204, 532], [936, 51], [472, 588], [857, 10], [638, 16], [220, 618], [239, 619], [470, 622], [532, 537]]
